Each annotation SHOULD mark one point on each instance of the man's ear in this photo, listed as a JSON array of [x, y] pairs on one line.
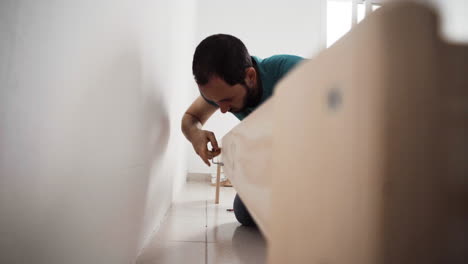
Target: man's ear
[[250, 76]]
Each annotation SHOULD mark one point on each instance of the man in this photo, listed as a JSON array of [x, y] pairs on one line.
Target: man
[[231, 80]]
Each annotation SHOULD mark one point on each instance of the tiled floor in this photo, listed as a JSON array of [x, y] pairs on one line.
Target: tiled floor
[[198, 231]]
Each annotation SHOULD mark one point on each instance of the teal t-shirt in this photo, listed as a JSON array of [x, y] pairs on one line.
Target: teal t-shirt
[[271, 70]]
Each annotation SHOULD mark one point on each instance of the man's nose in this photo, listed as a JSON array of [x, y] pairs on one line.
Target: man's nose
[[224, 108]]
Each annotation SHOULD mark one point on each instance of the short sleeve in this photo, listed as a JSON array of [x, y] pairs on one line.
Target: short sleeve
[[278, 66], [287, 63]]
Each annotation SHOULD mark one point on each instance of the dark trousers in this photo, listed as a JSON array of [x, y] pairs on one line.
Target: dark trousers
[[241, 213]]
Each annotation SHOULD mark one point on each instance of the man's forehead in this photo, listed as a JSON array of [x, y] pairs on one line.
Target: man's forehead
[[206, 93], [215, 87], [216, 80]]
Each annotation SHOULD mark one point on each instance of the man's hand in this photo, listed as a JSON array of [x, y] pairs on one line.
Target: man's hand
[[192, 122], [200, 141]]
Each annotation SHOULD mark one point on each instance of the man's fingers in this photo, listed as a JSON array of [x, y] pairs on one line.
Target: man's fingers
[[215, 153], [205, 158], [207, 155], [206, 161], [201, 148], [212, 138]]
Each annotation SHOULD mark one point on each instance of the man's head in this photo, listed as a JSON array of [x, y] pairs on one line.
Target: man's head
[[224, 72]]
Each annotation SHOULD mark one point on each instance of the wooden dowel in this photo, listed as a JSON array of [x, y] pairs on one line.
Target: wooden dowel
[[218, 179]]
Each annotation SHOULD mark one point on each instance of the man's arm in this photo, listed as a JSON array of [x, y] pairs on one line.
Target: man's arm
[[192, 121]]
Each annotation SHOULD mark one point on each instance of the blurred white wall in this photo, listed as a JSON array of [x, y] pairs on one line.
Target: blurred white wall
[[267, 28], [454, 14], [91, 153]]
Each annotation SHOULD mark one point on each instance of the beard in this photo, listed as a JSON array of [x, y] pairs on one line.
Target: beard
[[251, 99]]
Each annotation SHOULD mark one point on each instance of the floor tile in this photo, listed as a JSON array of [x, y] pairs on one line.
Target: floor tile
[[170, 252], [177, 228], [221, 229], [196, 230], [195, 208], [247, 246], [226, 195], [219, 211], [194, 191]]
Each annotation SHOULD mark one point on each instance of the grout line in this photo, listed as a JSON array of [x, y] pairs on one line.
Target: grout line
[[185, 241], [206, 231], [153, 233]]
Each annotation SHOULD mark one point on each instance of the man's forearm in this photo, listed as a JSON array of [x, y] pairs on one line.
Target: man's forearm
[[190, 125]]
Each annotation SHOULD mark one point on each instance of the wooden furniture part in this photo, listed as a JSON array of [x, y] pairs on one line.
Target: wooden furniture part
[[370, 148], [247, 162], [361, 154], [218, 181]]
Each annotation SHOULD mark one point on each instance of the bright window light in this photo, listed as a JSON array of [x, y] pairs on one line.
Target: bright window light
[[339, 17], [338, 20], [361, 12]]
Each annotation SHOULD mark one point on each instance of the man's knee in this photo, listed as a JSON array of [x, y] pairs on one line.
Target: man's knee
[[241, 213]]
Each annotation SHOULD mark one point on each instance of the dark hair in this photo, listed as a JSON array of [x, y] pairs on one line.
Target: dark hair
[[222, 55]]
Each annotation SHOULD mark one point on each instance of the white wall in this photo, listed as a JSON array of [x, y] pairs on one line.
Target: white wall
[[91, 153], [454, 14], [266, 28]]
